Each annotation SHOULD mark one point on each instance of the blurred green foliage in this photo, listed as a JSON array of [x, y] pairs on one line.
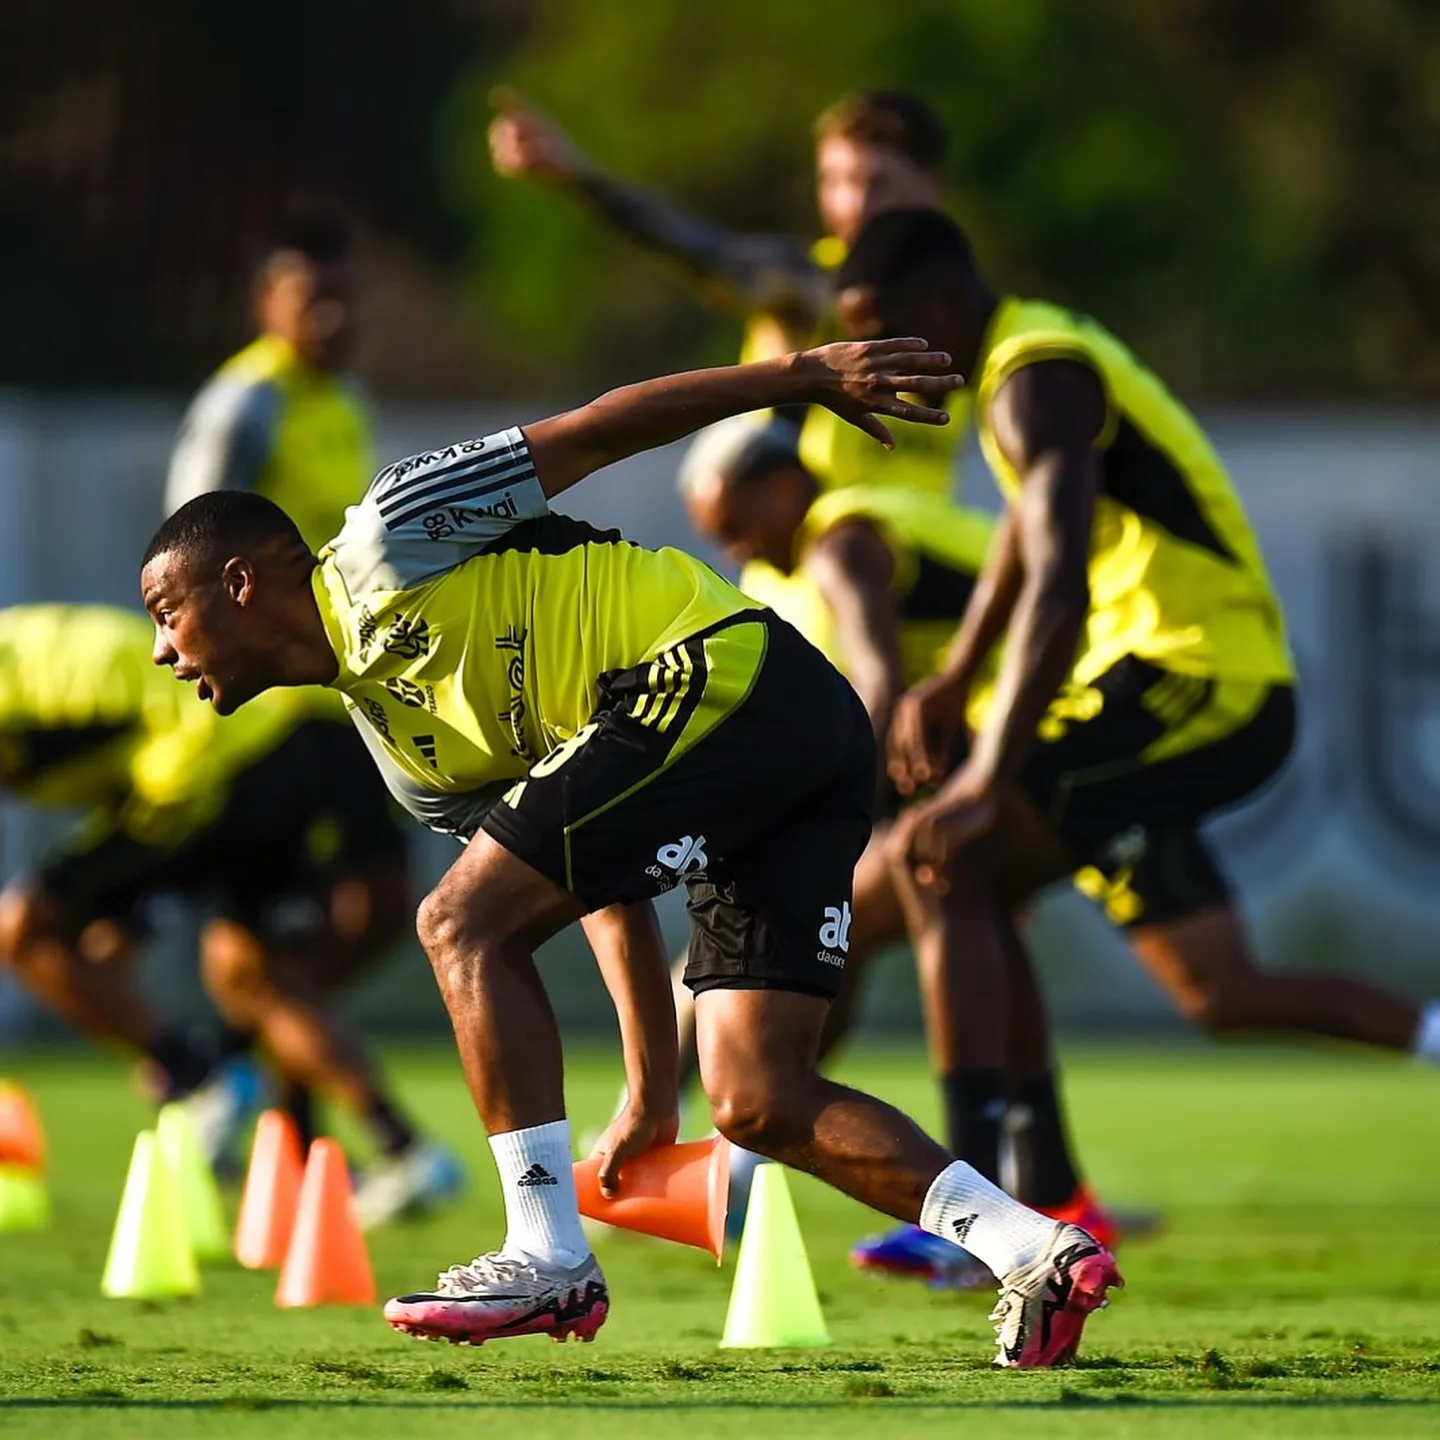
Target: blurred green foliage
[[1244, 189]]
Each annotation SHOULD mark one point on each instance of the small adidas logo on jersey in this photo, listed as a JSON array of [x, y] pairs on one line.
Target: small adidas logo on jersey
[[962, 1227], [425, 744], [537, 1174], [685, 856]]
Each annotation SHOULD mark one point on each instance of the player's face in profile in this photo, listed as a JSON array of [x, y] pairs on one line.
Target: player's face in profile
[[203, 629], [747, 520], [312, 305], [855, 182]]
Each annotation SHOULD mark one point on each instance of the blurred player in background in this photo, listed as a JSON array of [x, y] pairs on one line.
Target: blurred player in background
[[875, 151], [284, 418], [261, 815], [603, 722], [1146, 680]]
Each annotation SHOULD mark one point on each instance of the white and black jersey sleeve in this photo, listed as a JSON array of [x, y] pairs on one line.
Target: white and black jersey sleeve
[[426, 514]]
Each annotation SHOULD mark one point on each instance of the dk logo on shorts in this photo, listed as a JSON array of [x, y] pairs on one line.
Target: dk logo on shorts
[[685, 857], [835, 935]]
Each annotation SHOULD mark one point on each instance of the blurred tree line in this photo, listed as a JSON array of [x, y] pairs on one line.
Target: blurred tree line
[[1244, 190]]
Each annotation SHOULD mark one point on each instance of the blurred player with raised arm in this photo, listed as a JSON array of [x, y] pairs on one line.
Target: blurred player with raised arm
[[875, 151], [601, 723]]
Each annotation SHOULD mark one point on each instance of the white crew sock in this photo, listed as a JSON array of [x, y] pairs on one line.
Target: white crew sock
[[541, 1219], [964, 1207], [1426, 1044]]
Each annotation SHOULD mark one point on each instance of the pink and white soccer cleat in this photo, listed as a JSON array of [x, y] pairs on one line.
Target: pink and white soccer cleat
[[496, 1296], [1043, 1306]]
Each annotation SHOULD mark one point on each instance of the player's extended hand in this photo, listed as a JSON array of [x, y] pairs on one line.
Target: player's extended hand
[[925, 727], [861, 380], [631, 1132], [926, 835], [524, 144]]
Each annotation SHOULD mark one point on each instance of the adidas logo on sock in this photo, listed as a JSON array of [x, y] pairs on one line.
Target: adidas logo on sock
[[962, 1226], [537, 1174]]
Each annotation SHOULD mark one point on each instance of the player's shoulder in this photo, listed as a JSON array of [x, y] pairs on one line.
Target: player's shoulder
[[486, 464], [428, 513], [237, 395]]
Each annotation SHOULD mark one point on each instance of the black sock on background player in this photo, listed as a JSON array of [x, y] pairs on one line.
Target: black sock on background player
[[974, 1115]]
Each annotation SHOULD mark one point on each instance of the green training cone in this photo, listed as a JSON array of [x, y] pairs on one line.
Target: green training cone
[[150, 1252], [24, 1203], [773, 1302], [199, 1195]]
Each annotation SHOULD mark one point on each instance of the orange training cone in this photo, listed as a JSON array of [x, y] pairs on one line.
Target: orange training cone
[[272, 1190], [327, 1263], [22, 1141], [674, 1192]]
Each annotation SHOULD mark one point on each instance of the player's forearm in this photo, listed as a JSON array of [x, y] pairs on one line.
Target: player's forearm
[[630, 951], [652, 221], [992, 604], [640, 417], [1040, 650], [1051, 530]]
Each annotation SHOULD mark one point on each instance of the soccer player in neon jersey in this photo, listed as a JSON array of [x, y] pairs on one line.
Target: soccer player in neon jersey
[[284, 418], [1146, 683], [300, 863], [601, 722]]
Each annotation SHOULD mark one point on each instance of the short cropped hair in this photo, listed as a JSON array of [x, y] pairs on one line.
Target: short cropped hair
[[323, 234], [897, 118], [741, 448], [212, 527], [902, 245]]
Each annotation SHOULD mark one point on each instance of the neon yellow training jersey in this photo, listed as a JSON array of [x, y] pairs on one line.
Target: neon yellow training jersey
[[471, 624], [938, 549], [1176, 576], [268, 422], [87, 720]]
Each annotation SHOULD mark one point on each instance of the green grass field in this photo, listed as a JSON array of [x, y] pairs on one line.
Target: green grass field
[[1295, 1292]]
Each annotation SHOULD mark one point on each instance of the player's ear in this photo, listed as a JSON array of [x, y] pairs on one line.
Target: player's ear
[[238, 580]]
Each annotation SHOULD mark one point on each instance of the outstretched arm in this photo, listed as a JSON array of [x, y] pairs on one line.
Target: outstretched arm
[[772, 274], [860, 381]]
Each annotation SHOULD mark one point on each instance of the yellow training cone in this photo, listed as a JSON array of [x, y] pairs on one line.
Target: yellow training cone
[[773, 1303], [199, 1195], [150, 1252], [24, 1203]]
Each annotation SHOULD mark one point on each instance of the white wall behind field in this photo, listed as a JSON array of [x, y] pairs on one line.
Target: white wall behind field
[[1338, 865]]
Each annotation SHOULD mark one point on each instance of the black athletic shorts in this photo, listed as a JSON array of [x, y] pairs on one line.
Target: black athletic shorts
[[1125, 769], [740, 764], [311, 812]]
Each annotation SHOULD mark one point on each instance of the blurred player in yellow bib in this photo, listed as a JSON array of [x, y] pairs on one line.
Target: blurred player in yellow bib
[[261, 817], [1146, 681]]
